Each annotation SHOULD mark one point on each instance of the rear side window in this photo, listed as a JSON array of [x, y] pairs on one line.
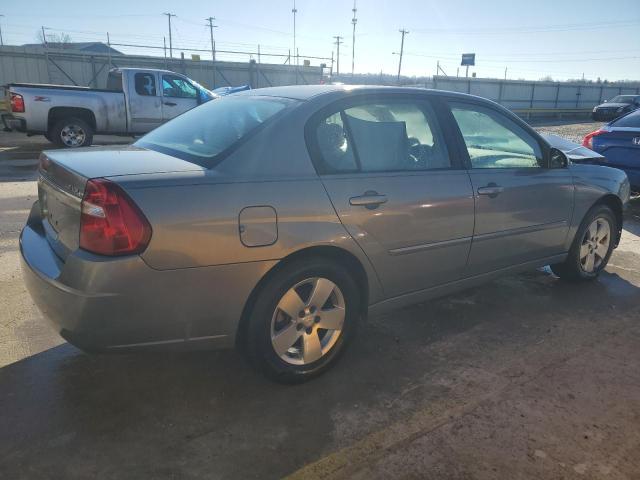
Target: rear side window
[[380, 137], [203, 134], [632, 120], [114, 81], [495, 141], [145, 84]]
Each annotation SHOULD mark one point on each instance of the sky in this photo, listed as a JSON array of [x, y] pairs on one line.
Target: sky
[[535, 39]]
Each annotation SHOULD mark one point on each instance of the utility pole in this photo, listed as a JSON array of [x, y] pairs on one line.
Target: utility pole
[[169, 15], [403, 32], [213, 49], [505, 73], [354, 20], [44, 37], [1, 41], [338, 42], [294, 10]]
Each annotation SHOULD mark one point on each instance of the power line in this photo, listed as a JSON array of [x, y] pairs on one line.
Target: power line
[[568, 27], [169, 15]]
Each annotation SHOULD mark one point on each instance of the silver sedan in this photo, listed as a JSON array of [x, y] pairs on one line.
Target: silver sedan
[[276, 219]]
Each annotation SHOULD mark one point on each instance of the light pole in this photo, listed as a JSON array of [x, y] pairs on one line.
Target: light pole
[[1, 41], [294, 10], [354, 20]]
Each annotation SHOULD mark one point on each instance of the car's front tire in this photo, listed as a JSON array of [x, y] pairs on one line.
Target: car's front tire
[[592, 246], [302, 320]]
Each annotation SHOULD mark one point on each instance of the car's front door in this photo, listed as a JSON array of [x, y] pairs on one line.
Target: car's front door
[[523, 207], [144, 102], [397, 188], [178, 96]]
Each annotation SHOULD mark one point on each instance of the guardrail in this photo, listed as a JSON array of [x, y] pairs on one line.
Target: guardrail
[[552, 112]]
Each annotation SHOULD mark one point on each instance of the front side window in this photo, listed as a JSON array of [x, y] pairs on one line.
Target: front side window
[[145, 84], [202, 134], [495, 141], [178, 87], [381, 137]]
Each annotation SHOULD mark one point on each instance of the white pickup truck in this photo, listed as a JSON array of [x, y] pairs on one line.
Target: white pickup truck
[[135, 101]]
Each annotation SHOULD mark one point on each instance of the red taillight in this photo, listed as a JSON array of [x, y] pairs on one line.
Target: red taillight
[[110, 223], [17, 103], [587, 141]]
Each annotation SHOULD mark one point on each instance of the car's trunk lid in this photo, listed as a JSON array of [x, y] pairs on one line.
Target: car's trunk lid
[[64, 174]]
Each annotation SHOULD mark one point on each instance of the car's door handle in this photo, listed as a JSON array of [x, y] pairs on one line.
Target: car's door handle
[[492, 190], [369, 200], [170, 104]]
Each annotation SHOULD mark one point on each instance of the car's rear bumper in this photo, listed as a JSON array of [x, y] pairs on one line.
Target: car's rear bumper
[[12, 122], [99, 303]]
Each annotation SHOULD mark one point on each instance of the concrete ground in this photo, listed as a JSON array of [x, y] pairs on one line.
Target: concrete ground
[[525, 377]]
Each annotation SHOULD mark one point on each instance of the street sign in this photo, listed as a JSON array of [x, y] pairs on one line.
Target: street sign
[[468, 59]]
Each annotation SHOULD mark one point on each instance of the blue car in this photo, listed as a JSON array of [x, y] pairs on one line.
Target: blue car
[[619, 142]]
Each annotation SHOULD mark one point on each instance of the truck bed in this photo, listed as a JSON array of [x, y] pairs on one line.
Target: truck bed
[[62, 87]]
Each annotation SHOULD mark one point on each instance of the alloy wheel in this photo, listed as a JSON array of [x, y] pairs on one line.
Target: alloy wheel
[[308, 321], [595, 245], [73, 135]]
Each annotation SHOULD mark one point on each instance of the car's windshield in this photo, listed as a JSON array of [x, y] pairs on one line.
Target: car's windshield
[[201, 135], [622, 99], [632, 120]]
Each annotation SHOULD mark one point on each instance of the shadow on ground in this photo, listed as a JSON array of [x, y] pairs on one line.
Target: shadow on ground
[[66, 414]]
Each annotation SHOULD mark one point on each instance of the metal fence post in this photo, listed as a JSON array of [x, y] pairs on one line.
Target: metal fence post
[[500, 86], [555, 103], [533, 92]]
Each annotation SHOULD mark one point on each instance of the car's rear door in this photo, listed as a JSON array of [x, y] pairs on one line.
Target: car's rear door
[[523, 207], [144, 102], [397, 187], [178, 96]]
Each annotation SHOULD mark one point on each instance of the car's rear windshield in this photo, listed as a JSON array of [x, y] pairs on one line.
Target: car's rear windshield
[[206, 134], [622, 99], [631, 120]]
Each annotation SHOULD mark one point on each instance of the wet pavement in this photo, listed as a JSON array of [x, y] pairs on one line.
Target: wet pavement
[[525, 377]]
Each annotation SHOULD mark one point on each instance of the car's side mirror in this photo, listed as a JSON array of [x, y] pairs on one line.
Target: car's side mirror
[[558, 159]]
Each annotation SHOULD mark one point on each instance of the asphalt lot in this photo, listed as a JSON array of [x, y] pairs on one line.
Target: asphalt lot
[[525, 377]]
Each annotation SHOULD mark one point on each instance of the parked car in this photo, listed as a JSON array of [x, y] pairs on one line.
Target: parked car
[[619, 144], [275, 219], [616, 107], [134, 102], [229, 90]]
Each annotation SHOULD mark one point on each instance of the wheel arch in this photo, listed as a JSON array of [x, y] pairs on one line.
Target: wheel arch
[[332, 253], [58, 113]]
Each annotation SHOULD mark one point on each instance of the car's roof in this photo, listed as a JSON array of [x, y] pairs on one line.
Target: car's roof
[[307, 92]]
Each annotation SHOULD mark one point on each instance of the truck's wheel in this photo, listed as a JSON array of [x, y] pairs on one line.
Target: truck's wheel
[[71, 132]]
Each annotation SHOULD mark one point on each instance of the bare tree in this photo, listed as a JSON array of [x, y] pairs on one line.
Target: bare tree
[[59, 39]]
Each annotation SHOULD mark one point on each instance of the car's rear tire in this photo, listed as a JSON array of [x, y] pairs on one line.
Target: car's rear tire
[[285, 336], [71, 132], [592, 246]]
